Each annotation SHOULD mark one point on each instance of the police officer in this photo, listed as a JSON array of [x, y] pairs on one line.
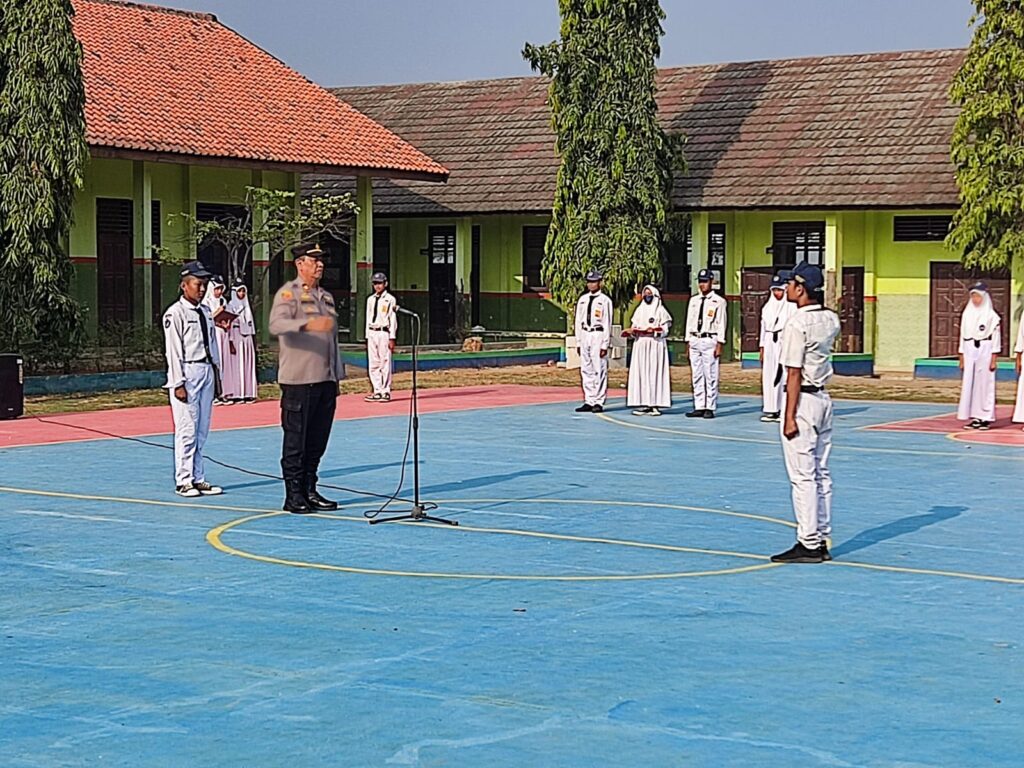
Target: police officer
[[192, 379], [706, 318], [807, 424], [593, 337], [304, 319], [381, 330]]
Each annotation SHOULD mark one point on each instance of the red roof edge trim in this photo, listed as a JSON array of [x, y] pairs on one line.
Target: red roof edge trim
[[160, 9]]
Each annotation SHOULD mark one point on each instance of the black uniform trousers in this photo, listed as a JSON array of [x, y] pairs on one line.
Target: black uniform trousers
[[307, 413]]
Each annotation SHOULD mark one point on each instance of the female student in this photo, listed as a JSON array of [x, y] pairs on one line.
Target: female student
[[1018, 412], [774, 314], [979, 351], [650, 387], [243, 335]]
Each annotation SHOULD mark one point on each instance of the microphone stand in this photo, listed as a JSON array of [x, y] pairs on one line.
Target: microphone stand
[[418, 512]]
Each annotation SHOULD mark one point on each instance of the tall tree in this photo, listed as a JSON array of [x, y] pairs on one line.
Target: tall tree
[[988, 141], [614, 184], [42, 158]]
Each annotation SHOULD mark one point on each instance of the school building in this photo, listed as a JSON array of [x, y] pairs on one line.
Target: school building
[[182, 114], [842, 160]]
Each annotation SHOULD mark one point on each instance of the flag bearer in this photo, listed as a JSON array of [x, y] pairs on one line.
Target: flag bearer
[[192, 379], [593, 337], [807, 425], [980, 345], [381, 330], [706, 319], [774, 314]]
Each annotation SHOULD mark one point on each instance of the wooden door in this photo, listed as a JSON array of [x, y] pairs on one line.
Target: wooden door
[[950, 284], [851, 311], [213, 254], [114, 244], [755, 284], [441, 253]]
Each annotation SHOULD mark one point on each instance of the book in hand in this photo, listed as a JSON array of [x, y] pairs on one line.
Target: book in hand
[[224, 319]]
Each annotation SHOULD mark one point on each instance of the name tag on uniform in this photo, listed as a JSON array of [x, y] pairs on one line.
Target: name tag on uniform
[[597, 313], [384, 308], [711, 313]]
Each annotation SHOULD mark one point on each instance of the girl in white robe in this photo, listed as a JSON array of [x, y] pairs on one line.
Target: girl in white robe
[[774, 315], [980, 345], [218, 302], [650, 386], [243, 334], [1018, 348]]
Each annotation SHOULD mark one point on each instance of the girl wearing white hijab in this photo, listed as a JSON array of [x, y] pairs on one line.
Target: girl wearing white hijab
[[218, 302], [1018, 412], [650, 387], [242, 335], [980, 345], [774, 315]]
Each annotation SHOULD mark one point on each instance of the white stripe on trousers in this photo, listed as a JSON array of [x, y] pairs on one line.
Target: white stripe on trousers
[[704, 370], [806, 458], [192, 423], [378, 354]]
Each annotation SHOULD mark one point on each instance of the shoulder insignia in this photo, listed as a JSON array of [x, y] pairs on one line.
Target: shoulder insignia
[[287, 295], [167, 321]]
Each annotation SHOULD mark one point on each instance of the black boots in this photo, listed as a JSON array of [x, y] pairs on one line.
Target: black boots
[[295, 498], [317, 502]]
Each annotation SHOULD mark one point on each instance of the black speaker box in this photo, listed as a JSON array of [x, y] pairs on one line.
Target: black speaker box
[[12, 386]]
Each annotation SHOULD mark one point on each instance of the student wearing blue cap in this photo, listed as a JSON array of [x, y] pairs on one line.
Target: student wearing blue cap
[[381, 331], [774, 314], [593, 337], [807, 424], [706, 319]]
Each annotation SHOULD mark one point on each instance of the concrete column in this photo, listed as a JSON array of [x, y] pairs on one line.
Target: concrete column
[[362, 252], [833, 260], [261, 292], [870, 291], [698, 255], [463, 269], [188, 205], [142, 250]]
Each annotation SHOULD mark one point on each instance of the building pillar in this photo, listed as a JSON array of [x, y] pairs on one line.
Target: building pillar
[[870, 291], [463, 271], [833, 261], [142, 250], [698, 254], [261, 292], [362, 252]]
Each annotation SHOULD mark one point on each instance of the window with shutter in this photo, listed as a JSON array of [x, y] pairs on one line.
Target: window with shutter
[[921, 228]]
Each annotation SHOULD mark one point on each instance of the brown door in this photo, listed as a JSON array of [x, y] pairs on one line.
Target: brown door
[[756, 282], [950, 284], [114, 284], [851, 311]]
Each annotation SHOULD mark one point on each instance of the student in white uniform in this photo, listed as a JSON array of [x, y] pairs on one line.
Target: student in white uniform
[[706, 318], [243, 334], [217, 302], [650, 386], [593, 337], [1018, 348], [774, 314], [381, 331], [807, 425], [192, 362], [980, 345]]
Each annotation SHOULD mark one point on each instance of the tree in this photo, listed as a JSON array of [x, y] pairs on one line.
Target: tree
[[988, 141], [42, 158], [614, 185]]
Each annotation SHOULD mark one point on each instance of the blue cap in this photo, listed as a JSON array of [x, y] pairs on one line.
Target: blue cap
[[705, 276], [194, 269], [379, 277], [594, 276], [808, 275], [780, 280]]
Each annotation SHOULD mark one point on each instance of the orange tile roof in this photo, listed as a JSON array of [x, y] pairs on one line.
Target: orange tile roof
[[173, 83]]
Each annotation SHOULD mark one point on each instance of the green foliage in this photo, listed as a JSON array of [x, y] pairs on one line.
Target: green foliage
[[42, 158], [614, 184], [988, 142]]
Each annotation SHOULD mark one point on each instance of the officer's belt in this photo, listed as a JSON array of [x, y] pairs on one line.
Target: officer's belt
[[703, 335], [807, 389]]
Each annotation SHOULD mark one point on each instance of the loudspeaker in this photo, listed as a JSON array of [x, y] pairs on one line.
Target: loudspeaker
[[12, 386]]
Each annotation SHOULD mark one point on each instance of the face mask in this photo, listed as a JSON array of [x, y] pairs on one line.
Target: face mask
[[648, 299]]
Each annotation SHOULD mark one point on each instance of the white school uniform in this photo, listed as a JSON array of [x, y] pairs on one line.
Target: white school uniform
[[980, 338], [243, 333], [381, 330], [807, 344], [706, 320], [192, 358], [650, 384], [594, 335], [774, 315], [1018, 348]]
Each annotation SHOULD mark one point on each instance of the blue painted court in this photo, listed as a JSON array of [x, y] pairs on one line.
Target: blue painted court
[[607, 600]]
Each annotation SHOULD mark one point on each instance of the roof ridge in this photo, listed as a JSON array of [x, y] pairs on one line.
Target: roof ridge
[[157, 9]]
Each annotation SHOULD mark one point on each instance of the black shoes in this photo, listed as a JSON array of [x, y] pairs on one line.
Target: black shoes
[[798, 553], [585, 408], [317, 502], [825, 554], [295, 500], [709, 414], [597, 409], [697, 414]]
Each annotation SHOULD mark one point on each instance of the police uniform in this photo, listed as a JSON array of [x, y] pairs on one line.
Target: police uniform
[[309, 369], [381, 331], [706, 320], [192, 363], [593, 337], [807, 345]]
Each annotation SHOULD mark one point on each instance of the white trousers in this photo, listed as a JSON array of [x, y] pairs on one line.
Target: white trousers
[[593, 368], [806, 458], [772, 383], [704, 370], [378, 353], [978, 394], [192, 423]]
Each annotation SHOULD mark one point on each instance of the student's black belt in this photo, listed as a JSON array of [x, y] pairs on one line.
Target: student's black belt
[[703, 335], [977, 342], [597, 328], [775, 336], [194, 362], [807, 389]]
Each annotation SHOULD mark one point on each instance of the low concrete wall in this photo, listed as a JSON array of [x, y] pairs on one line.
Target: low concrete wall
[[949, 368], [844, 364]]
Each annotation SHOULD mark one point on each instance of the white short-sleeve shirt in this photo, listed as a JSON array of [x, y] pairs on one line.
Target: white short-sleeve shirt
[[807, 343]]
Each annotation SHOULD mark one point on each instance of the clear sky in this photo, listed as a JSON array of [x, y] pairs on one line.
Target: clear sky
[[357, 42]]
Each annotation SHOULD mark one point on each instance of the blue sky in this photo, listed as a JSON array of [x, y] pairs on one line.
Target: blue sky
[[354, 42]]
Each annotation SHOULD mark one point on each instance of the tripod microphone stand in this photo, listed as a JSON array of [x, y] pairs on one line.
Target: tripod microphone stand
[[418, 512]]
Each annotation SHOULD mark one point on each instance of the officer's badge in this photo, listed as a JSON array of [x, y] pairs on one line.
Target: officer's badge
[[384, 309], [167, 322], [597, 313], [287, 295], [711, 313]]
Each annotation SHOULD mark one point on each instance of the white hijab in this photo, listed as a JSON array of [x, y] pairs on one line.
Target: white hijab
[[653, 315], [240, 306], [979, 322], [214, 303], [776, 312]]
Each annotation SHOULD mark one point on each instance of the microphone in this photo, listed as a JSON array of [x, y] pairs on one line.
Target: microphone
[[404, 311]]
